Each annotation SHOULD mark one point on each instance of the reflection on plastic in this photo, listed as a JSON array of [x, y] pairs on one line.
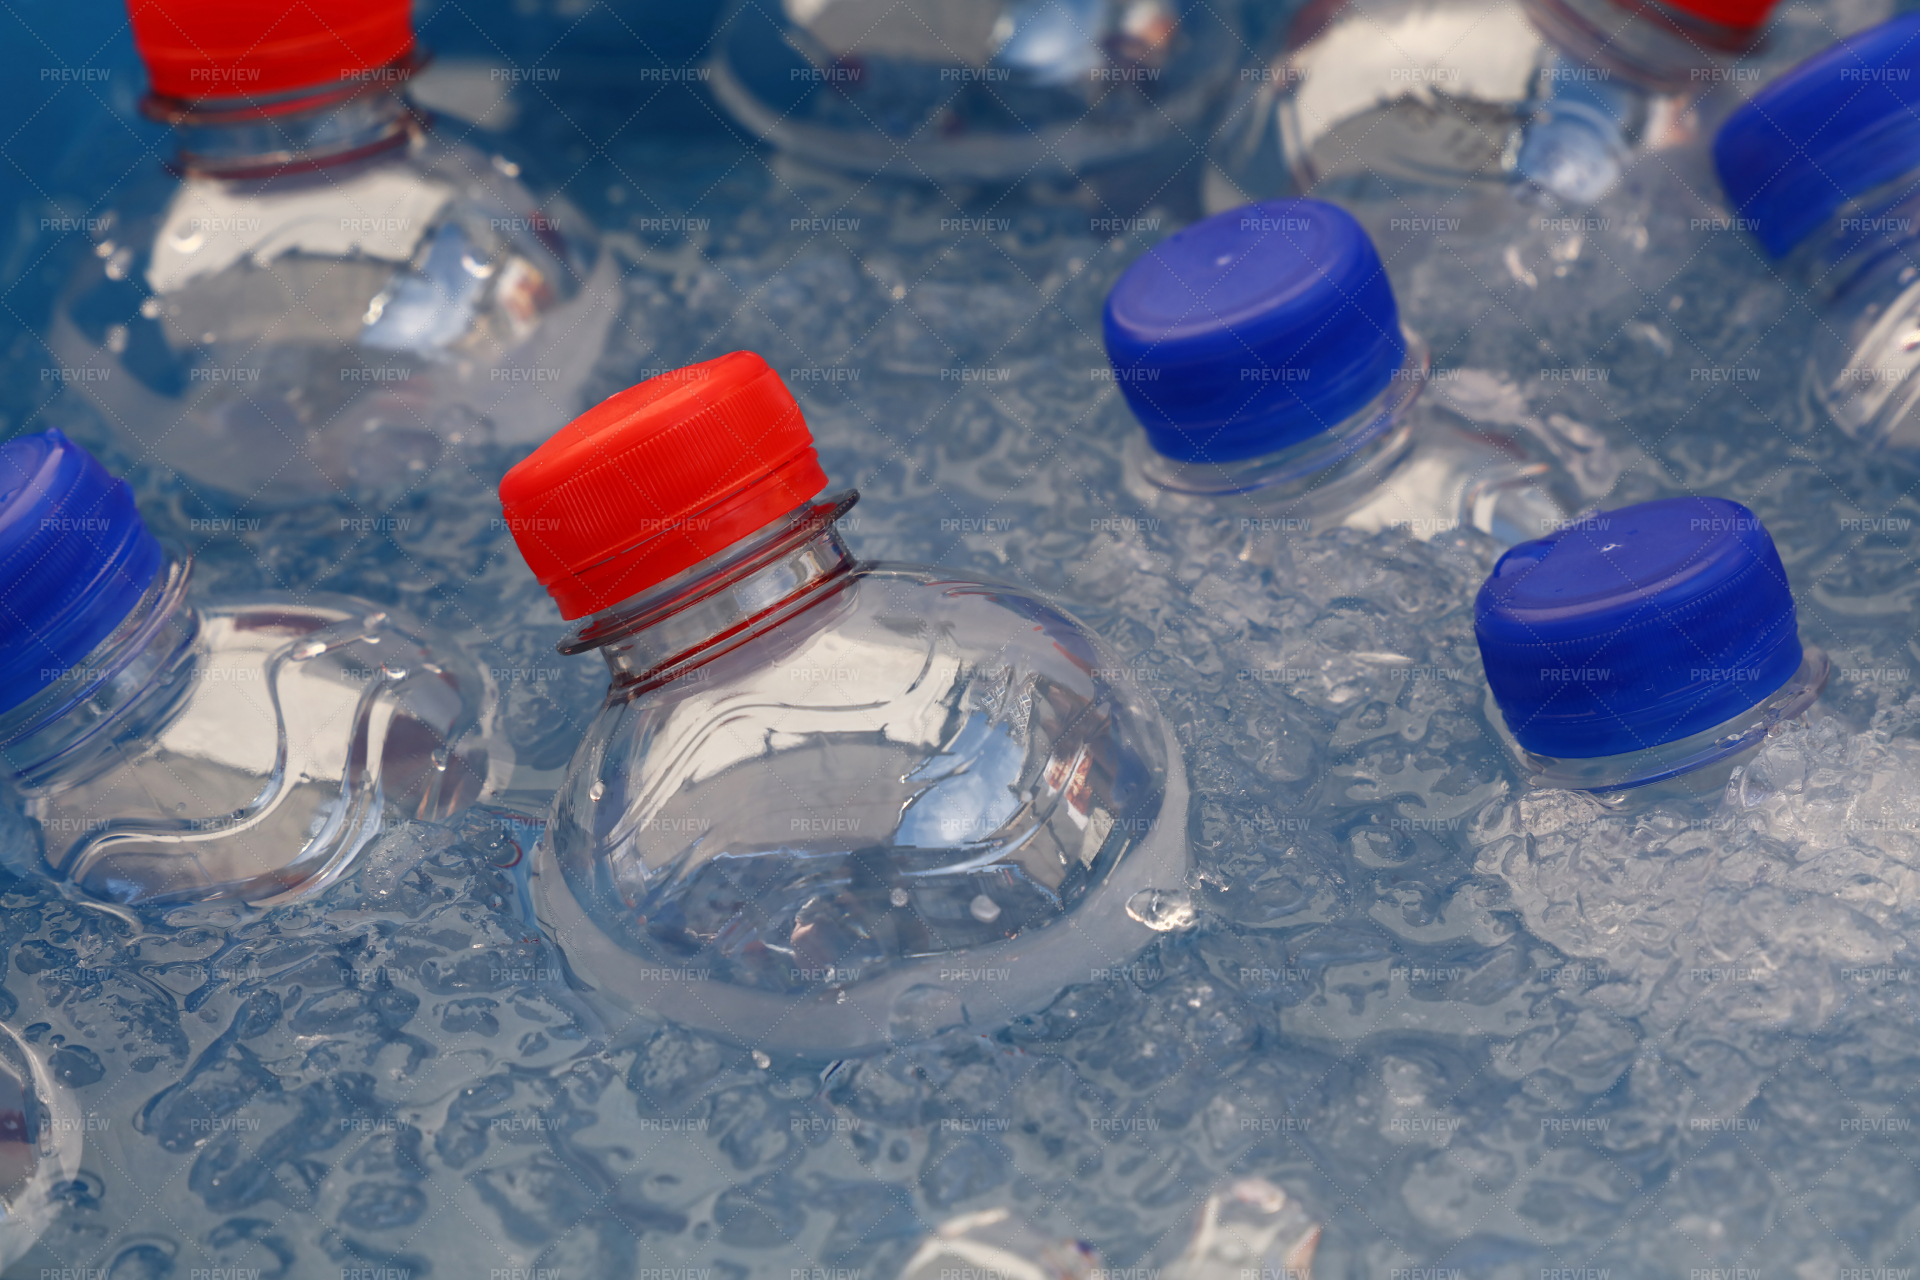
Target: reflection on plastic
[[334, 326], [1252, 1229]]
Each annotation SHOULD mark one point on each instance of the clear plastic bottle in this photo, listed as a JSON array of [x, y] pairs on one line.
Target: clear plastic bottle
[[321, 296], [1262, 351], [975, 90], [182, 750], [828, 805], [1820, 166], [1450, 118], [1652, 644]]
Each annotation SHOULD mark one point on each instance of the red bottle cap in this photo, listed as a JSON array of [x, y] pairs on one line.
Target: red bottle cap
[[1739, 14], [656, 479], [248, 49]]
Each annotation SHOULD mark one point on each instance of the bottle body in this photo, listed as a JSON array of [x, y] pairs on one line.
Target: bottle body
[[893, 803], [974, 90], [282, 328], [244, 749]]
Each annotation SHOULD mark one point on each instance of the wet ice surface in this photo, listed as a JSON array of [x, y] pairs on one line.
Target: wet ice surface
[[1467, 1030]]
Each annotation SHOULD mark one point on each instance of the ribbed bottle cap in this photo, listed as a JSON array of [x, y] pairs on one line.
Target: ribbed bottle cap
[[1636, 627], [1840, 124], [74, 559], [1253, 330], [656, 479], [245, 49]]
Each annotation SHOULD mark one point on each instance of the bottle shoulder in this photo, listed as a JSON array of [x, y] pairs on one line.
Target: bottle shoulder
[[895, 623]]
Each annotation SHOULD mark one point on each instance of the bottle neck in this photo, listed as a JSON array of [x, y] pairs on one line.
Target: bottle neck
[[1360, 447], [701, 612], [1876, 229], [1699, 762], [131, 677], [308, 129]]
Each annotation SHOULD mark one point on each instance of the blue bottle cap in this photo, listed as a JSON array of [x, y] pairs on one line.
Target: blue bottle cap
[[1841, 123], [75, 558], [1636, 627], [1253, 330]]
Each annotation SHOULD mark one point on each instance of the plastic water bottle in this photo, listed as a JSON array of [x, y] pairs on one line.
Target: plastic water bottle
[[321, 296], [1262, 351], [1820, 167], [975, 90], [1454, 118], [174, 749], [1655, 642], [828, 805]]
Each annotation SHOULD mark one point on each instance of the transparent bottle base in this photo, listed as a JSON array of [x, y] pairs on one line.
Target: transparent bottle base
[[979, 988], [1704, 759]]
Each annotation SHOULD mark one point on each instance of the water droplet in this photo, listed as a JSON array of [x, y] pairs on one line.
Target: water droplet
[[898, 897], [761, 1060], [984, 909], [1163, 910], [597, 790], [311, 649]]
